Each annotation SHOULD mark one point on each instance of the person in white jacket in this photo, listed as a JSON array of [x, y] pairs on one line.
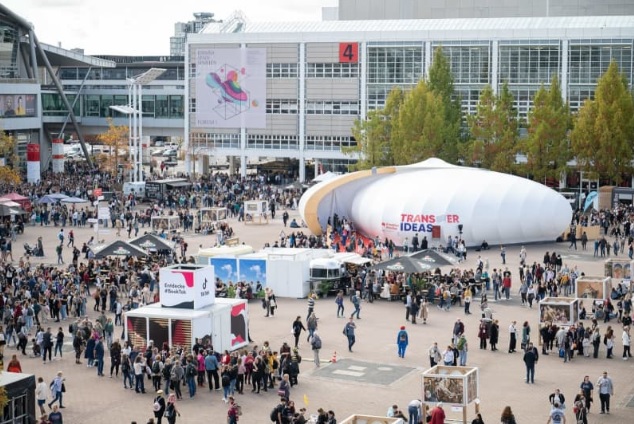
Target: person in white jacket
[[41, 394], [626, 343]]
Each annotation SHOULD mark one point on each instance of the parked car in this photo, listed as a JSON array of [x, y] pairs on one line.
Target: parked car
[[170, 152], [171, 163], [158, 152]]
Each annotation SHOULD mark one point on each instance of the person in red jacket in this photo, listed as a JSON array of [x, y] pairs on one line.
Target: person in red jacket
[[437, 415]]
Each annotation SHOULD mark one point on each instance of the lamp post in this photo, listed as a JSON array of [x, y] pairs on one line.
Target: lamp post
[[129, 111], [136, 107]]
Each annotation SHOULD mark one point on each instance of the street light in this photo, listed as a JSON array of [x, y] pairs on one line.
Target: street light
[[129, 111], [136, 108]]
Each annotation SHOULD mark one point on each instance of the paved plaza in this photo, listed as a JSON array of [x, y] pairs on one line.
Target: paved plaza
[[371, 378]]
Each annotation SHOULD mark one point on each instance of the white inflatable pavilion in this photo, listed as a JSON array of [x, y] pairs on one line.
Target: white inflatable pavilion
[[433, 198]]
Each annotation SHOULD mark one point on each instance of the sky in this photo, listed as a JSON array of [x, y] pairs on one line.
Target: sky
[[142, 27]]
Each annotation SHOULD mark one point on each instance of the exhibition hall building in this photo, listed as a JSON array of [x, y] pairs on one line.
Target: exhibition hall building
[[248, 90]]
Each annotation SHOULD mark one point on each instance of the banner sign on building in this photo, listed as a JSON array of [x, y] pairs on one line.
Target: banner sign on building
[[187, 286], [17, 105], [231, 88]]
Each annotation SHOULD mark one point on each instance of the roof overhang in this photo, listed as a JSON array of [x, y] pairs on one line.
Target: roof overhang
[[58, 56]]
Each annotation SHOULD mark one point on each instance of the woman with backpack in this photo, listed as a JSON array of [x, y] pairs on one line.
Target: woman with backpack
[[170, 410]]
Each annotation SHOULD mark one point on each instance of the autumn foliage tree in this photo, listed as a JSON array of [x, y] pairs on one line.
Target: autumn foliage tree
[[494, 131], [9, 171], [603, 134], [546, 146], [116, 138]]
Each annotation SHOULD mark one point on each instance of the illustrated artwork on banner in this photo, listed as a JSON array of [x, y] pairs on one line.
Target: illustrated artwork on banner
[[443, 389], [231, 88], [239, 326]]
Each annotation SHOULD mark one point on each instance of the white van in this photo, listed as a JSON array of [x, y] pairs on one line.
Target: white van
[[137, 188]]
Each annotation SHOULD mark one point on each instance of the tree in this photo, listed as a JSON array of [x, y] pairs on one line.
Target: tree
[[419, 131], [546, 146], [441, 82], [374, 134], [494, 131], [9, 168], [603, 133], [116, 137]]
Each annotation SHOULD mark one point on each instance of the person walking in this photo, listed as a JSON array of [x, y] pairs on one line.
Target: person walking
[[513, 337], [348, 331], [587, 388], [211, 368], [356, 301], [159, 406], [402, 340], [530, 359], [298, 326], [606, 389], [311, 304], [41, 394], [483, 334], [626, 343], [170, 410], [57, 388], [556, 416], [315, 344], [339, 302]]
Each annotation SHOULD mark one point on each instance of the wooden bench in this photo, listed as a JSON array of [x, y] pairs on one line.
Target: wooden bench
[[232, 241]]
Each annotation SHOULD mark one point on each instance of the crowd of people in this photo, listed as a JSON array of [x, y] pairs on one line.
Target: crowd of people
[[39, 298]]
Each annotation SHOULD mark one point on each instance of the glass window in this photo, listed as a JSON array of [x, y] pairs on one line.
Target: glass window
[[8, 51], [395, 65], [528, 64], [106, 102], [176, 107], [588, 62], [162, 106], [469, 64], [92, 106], [147, 106]]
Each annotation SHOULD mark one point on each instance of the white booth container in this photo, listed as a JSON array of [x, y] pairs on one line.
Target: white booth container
[[182, 327]]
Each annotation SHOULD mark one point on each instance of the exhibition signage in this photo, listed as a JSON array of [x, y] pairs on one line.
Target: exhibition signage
[[187, 286]]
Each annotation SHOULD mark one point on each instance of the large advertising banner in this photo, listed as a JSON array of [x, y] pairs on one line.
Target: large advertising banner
[[17, 105], [226, 269], [187, 286], [231, 88], [33, 170], [253, 270]]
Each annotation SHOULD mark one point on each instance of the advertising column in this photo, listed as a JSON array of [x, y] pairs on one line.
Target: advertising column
[[58, 156], [33, 163]]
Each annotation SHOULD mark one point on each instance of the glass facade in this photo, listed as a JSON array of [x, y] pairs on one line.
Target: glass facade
[[529, 64], [588, 60], [52, 104], [333, 143], [469, 63], [275, 142], [215, 141], [8, 50], [389, 66]]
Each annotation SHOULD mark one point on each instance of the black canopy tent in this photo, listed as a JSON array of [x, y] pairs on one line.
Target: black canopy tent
[[151, 242], [119, 248], [433, 258], [404, 264]]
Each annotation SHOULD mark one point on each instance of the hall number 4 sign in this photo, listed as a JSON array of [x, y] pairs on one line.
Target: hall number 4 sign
[[348, 52]]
